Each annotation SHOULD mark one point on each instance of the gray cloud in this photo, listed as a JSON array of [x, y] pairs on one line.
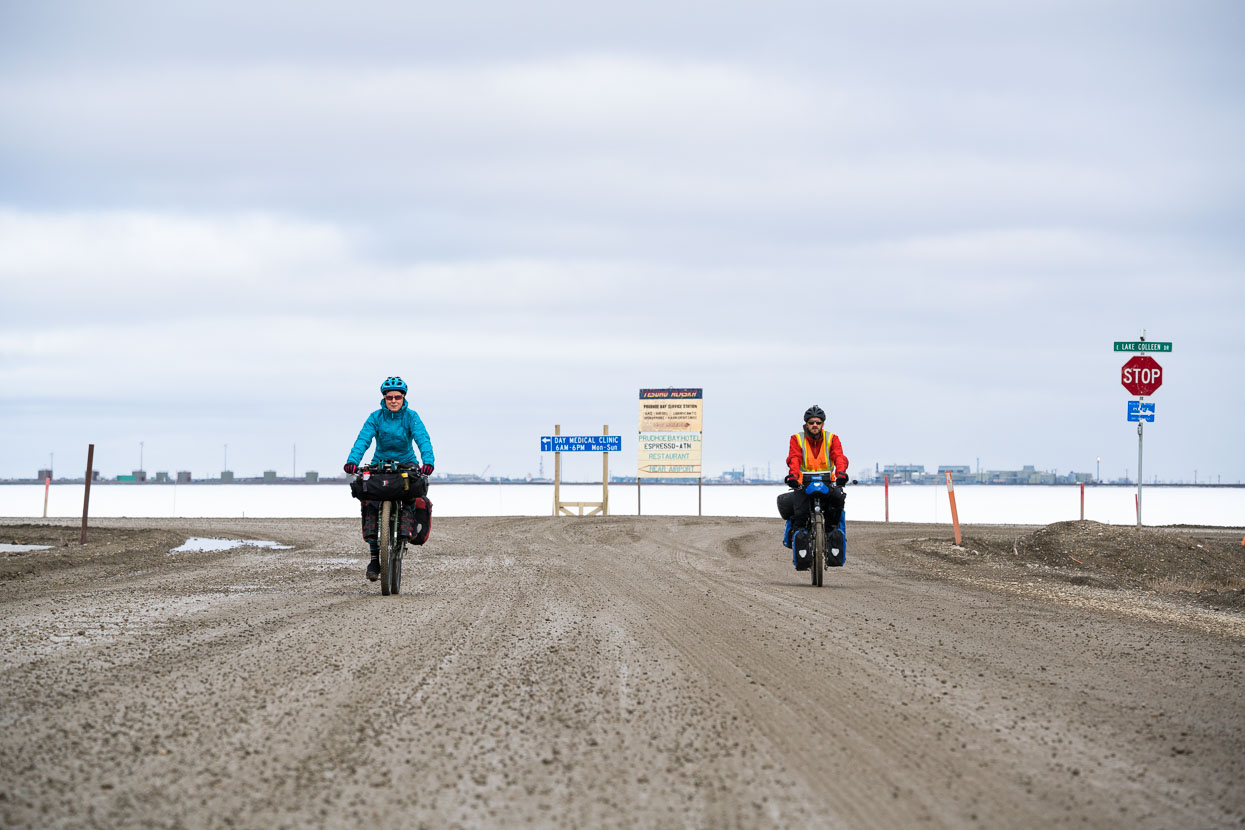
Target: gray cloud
[[205, 206]]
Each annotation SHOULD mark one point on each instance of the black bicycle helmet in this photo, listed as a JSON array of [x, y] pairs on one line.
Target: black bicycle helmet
[[815, 411]]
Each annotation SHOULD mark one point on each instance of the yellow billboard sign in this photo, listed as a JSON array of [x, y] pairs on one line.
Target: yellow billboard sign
[[671, 410], [669, 455]]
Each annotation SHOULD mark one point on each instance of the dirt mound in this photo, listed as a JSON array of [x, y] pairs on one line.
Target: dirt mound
[[66, 551], [1204, 565]]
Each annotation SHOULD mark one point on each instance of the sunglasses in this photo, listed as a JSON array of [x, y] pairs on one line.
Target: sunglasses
[[814, 423], [393, 397]]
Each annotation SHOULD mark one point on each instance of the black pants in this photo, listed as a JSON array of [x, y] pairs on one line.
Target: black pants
[[796, 507], [371, 520]]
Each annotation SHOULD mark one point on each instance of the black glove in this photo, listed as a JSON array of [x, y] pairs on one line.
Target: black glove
[[793, 482], [426, 469], [840, 479], [350, 468]]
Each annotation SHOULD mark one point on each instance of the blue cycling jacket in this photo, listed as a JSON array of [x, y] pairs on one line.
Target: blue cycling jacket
[[394, 432]]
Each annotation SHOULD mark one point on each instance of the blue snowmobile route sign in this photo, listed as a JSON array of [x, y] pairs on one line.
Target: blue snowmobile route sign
[[581, 443]]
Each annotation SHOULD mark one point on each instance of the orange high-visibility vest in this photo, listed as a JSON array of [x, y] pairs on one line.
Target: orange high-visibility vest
[[818, 462]]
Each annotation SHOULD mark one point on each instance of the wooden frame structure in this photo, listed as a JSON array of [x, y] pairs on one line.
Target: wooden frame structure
[[598, 508]]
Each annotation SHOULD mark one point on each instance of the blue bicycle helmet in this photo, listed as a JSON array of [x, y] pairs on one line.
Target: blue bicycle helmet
[[393, 384]]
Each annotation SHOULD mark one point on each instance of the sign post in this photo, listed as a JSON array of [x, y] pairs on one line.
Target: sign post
[[86, 494], [671, 428], [558, 444], [1141, 376], [955, 515]]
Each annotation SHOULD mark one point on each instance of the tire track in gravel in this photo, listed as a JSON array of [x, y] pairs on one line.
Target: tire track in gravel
[[234, 657], [960, 717], [796, 703]]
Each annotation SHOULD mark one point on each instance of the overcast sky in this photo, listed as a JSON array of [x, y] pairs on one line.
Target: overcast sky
[[225, 223]]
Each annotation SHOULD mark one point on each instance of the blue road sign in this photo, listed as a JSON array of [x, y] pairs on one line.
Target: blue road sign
[[581, 443], [1138, 411]]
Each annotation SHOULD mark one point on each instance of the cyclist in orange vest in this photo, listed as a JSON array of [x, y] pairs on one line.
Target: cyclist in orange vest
[[811, 451]]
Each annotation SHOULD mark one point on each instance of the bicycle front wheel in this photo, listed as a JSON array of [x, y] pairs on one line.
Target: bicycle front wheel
[[385, 538], [395, 566], [819, 548]]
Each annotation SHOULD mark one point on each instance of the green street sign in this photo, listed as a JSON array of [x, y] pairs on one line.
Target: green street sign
[[1141, 346]]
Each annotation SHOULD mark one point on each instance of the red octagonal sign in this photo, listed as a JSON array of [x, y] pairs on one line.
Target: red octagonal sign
[[1142, 375]]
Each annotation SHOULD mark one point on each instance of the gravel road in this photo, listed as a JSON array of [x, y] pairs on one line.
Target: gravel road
[[619, 672]]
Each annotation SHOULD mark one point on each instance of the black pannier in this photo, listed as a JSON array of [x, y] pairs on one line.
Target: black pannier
[[389, 486], [786, 505]]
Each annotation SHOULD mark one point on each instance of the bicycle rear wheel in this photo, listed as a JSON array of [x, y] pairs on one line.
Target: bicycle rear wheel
[[819, 548], [385, 538]]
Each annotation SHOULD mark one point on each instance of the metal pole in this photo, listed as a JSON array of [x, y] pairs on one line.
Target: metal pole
[[638, 500], [86, 498], [699, 491], [1139, 431]]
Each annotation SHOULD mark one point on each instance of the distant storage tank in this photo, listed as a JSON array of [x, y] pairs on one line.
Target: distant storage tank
[[183, 476], [270, 476], [162, 477], [311, 477], [140, 475], [45, 474], [226, 476]]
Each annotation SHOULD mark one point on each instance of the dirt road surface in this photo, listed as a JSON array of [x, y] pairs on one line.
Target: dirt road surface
[[619, 672]]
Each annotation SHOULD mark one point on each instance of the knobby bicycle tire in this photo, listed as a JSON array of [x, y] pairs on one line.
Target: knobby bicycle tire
[[819, 548], [385, 537]]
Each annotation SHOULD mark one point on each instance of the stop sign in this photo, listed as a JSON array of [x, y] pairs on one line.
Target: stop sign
[[1141, 375]]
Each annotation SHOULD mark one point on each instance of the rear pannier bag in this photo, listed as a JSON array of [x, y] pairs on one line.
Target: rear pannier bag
[[389, 487], [417, 520]]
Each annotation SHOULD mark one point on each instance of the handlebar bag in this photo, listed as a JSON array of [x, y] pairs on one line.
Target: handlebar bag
[[389, 487]]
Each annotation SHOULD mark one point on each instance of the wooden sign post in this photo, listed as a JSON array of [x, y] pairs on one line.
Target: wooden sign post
[[596, 508]]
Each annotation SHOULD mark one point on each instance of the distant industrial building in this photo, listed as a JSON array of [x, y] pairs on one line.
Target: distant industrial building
[[904, 472], [183, 476], [226, 476], [140, 475], [270, 476], [162, 477], [311, 477], [44, 475]]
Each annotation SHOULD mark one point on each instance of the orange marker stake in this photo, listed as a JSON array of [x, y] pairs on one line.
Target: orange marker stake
[[955, 516], [886, 488]]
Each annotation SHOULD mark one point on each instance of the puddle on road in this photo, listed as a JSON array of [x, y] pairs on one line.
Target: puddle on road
[[5, 548], [197, 544]]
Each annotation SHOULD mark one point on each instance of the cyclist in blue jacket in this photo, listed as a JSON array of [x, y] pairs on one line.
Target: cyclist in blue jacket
[[394, 426]]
